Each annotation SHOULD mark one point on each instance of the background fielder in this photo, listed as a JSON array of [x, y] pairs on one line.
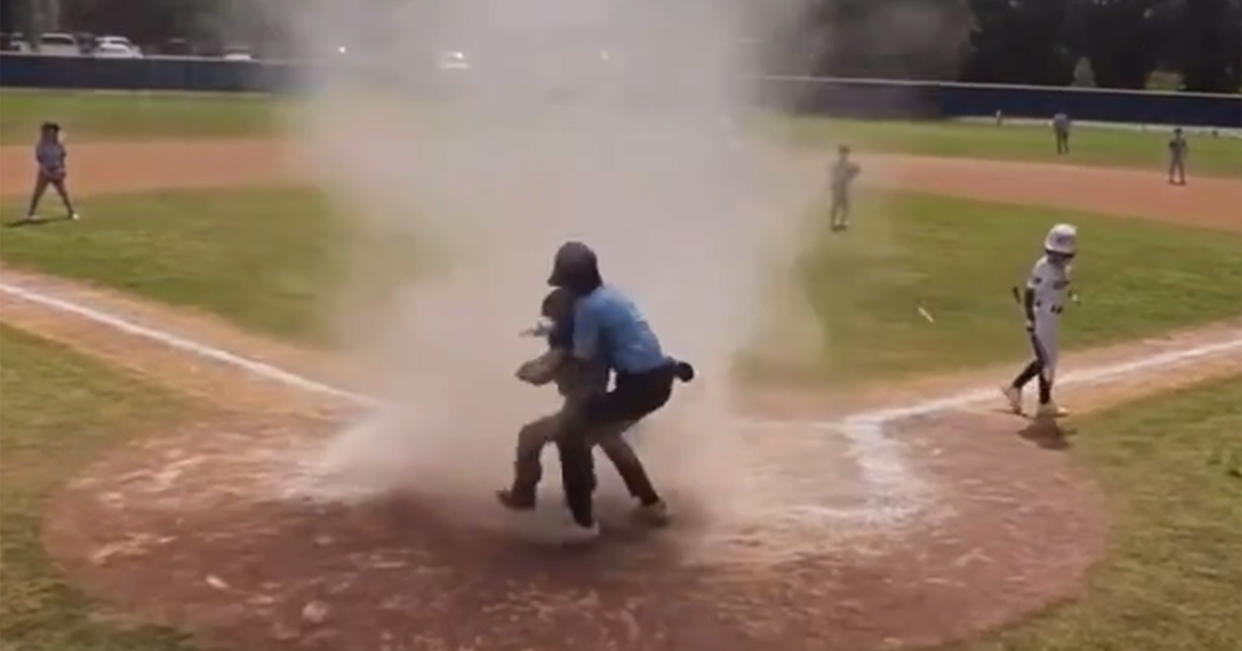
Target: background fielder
[[1043, 301]]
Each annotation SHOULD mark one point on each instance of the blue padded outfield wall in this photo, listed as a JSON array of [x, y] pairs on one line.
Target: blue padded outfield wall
[[875, 98]]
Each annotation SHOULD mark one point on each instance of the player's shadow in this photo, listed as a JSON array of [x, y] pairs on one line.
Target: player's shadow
[[24, 222], [1047, 434]]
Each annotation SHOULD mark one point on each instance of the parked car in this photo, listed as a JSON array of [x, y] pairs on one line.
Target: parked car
[[113, 51], [452, 60], [238, 53], [59, 44], [121, 41], [15, 42]]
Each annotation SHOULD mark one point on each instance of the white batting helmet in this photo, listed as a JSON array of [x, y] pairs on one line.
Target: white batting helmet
[[1063, 239]]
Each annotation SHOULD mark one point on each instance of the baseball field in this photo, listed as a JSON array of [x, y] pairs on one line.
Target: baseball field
[[174, 366]]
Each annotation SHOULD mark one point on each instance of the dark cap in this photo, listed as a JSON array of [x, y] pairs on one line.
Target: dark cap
[[575, 268], [49, 126]]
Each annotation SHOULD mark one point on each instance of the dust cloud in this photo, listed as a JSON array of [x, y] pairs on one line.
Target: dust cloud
[[622, 124]]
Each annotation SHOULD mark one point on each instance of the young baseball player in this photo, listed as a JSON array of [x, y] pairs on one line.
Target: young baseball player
[[1061, 130], [50, 154], [1043, 301], [578, 383], [843, 174], [1178, 148]]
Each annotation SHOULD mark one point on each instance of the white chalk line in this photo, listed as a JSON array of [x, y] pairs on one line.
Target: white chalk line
[[251, 366], [896, 493]]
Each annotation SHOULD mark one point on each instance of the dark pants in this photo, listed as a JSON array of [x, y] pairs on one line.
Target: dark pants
[[634, 397], [1062, 143], [535, 435], [1033, 370], [41, 183]]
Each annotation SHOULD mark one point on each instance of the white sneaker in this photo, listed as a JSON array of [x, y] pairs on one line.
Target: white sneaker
[[576, 534], [32, 218], [1014, 396], [75, 216], [656, 514], [1051, 410]]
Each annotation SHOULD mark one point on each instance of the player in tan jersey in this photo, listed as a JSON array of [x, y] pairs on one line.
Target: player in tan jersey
[[1043, 301]]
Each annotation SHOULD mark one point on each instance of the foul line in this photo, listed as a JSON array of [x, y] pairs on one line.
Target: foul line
[[1087, 376], [173, 341]]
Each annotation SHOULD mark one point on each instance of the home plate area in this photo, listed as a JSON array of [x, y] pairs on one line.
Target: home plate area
[[827, 537]]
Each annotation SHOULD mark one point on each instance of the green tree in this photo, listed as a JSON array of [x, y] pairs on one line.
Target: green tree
[[1122, 41], [1206, 44], [1020, 42]]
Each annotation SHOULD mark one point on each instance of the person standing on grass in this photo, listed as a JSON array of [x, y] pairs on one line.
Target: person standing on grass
[[1178, 148], [843, 174], [50, 155], [1061, 129]]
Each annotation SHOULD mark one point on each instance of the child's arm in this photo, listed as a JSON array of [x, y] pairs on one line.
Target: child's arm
[[543, 369]]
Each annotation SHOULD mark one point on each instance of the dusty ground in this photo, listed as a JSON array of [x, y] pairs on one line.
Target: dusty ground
[[128, 167], [203, 528], [1003, 523]]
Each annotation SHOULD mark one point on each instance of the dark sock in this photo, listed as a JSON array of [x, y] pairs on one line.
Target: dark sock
[[1045, 390], [1027, 374]]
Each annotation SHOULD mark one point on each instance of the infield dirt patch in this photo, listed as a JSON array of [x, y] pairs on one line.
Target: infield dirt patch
[[133, 167]]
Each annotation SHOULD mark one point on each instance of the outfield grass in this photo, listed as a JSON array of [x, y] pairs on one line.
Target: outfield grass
[[1171, 580], [1213, 156], [134, 116], [89, 116], [58, 412], [958, 259], [267, 259]]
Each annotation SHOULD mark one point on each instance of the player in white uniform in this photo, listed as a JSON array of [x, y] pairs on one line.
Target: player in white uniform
[[1043, 301]]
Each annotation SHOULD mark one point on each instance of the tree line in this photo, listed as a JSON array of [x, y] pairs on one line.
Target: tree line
[[1109, 43]]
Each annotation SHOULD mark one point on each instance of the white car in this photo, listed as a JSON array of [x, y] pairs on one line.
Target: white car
[[114, 51], [59, 44], [238, 54], [453, 60], [114, 41]]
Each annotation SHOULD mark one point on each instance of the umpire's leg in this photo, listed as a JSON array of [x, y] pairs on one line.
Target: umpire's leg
[[629, 467]]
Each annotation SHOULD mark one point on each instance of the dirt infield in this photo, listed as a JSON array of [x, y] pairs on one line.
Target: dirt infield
[[1211, 202]]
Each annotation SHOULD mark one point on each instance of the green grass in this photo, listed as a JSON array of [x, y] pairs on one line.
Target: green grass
[[272, 260], [267, 259], [1171, 580], [958, 260], [87, 116], [1213, 156], [134, 116], [59, 411]]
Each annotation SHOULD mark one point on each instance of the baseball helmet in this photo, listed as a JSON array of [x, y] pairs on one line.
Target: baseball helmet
[[1063, 239], [575, 268]]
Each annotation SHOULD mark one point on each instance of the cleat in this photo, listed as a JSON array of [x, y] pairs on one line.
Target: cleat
[[1051, 410], [656, 514]]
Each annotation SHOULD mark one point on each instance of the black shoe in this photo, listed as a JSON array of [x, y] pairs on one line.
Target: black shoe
[[511, 501]]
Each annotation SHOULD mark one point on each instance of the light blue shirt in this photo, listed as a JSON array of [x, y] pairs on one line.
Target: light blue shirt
[[608, 325]]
